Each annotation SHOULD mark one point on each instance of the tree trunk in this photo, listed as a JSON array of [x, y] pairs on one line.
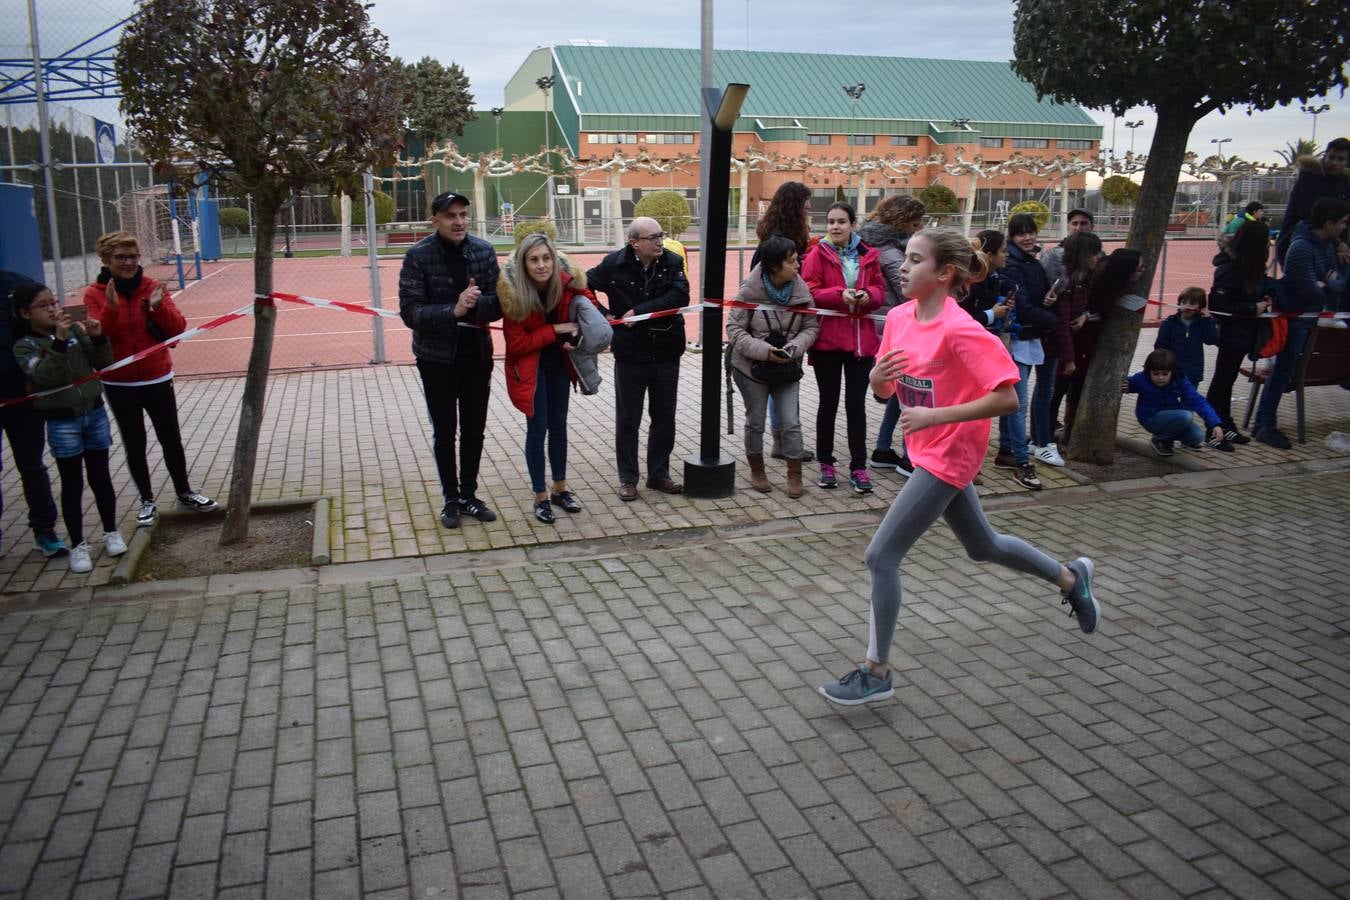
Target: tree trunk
[[1226, 186], [252, 404], [480, 201], [1094, 429], [743, 203], [968, 217], [346, 207]]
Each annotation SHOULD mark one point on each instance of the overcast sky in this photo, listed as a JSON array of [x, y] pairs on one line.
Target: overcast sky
[[490, 40]]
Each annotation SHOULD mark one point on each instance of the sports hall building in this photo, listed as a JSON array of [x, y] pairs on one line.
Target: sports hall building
[[605, 98]]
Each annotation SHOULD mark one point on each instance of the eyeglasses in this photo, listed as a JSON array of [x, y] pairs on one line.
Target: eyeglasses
[[126, 257], [654, 238]]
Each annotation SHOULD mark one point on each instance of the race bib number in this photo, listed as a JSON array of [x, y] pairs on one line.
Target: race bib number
[[911, 391]]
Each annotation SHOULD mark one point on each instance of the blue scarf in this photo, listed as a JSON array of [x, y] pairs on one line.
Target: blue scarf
[[848, 258], [779, 295]]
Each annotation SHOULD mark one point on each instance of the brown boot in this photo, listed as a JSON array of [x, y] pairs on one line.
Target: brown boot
[[794, 480], [758, 481]]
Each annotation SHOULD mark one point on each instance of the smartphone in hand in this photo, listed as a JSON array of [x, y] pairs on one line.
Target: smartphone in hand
[[77, 312]]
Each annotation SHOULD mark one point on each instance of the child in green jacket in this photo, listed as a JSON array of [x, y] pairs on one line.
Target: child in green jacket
[[60, 357]]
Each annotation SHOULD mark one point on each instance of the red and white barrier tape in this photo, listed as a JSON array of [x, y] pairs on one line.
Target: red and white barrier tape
[[242, 312]]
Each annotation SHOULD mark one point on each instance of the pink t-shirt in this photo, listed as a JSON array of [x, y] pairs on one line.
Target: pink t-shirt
[[952, 360]]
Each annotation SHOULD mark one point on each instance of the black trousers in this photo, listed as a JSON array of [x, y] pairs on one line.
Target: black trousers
[[457, 402], [27, 439], [130, 406], [1220, 395], [72, 470], [632, 382], [833, 368]]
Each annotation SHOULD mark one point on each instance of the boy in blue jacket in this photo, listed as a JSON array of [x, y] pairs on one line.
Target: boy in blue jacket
[[1168, 404], [1186, 332]]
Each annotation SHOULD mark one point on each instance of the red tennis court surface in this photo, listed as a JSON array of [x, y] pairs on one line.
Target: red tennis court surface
[[314, 338]]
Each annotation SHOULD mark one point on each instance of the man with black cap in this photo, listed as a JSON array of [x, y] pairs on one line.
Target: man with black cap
[[447, 294], [1052, 260]]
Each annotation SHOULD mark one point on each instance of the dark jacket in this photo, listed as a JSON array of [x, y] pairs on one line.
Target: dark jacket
[[983, 296], [427, 296], [1178, 394], [1312, 184], [626, 285], [12, 383], [1187, 340], [1305, 268], [49, 363], [1234, 305], [1035, 318]]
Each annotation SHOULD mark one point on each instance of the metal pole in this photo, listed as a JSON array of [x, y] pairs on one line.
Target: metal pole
[[1162, 272], [79, 205], [9, 140], [373, 255], [44, 143], [705, 82]]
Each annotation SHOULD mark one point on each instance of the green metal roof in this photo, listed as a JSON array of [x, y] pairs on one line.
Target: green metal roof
[[645, 81]]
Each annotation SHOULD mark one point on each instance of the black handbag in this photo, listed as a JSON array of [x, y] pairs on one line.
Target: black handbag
[[776, 374]]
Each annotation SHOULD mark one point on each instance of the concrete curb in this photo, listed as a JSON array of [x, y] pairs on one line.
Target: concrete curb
[[320, 548]]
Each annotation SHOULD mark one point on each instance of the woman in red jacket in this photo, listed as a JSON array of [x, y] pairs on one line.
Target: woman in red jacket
[[844, 275], [536, 290], [137, 312]]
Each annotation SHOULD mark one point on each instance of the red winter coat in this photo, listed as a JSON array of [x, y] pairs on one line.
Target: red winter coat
[[823, 272], [127, 332], [524, 340]]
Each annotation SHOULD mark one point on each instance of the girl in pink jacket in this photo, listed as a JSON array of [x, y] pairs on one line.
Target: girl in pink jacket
[[844, 275]]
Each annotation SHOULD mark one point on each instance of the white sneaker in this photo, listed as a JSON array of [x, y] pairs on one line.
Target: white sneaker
[[1332, 323], [1049, 454], [79, 558], [148, 514], [113, 545]]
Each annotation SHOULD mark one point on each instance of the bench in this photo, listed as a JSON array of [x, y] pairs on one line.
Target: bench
[[404, 237], [1325, 360]]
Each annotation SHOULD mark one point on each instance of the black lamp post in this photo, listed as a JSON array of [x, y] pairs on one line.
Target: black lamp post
[[710, 474]]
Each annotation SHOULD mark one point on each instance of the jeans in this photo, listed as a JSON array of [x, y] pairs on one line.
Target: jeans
[[23, 426], [457, 388], [783, 398], [71, 437], [1012, 428], [890, 417], [1283, 373], [130, 406], [633, 381], [551, 393], [1042, 416], [1175, 425], [834, 367]]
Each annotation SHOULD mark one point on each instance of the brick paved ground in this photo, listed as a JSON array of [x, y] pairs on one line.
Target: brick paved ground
[[611, 719], [361, 437]]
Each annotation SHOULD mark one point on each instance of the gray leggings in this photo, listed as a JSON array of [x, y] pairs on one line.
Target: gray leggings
[[918, 505]]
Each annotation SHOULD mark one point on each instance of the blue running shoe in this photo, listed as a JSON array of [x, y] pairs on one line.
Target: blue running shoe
[[1083, 604], [50, 544], [858, 687]]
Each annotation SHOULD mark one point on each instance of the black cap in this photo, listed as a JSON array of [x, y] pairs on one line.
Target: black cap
[[444, 201], [1081, 212]]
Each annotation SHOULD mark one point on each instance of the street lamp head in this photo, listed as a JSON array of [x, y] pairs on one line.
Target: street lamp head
[[1316, 110], [1135, 124], [544, 82], [855, 91], [498, 112], [963, 124]]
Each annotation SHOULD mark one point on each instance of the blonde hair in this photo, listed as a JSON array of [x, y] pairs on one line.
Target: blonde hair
[[108, 243], [524, 296], [967, 257]]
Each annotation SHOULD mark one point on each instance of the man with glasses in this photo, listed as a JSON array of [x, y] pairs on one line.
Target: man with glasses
[[447, 294], [644, 277]]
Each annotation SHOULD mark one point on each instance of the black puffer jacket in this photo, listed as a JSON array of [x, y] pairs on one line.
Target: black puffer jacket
[[427, 296], [1235, 305], [1313, 183], [12, 383], [626, 285], [1037, 319]]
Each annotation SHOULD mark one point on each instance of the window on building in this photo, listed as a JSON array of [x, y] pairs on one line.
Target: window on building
[[817, 138], [862, 140], [904, 140], [611, 138], [1031, 143], [670, 138], [991, 142], [1074, 145]]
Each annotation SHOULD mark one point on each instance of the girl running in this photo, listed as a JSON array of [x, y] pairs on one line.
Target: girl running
[[952, 376]]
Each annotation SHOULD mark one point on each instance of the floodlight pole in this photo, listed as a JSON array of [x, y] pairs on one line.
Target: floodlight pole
[[45, 149]]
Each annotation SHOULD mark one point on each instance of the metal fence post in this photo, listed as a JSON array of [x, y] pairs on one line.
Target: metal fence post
[[1162, 272], [373, 255]]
